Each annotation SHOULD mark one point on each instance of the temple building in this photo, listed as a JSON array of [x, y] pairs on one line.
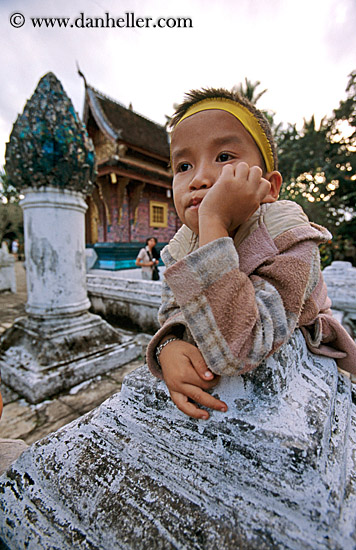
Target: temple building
[[132, 199]]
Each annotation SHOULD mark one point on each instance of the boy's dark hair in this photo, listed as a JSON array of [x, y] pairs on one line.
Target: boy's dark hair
[[195, 96]]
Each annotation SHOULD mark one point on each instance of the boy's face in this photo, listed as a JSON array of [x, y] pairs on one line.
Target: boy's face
[[201, 145]]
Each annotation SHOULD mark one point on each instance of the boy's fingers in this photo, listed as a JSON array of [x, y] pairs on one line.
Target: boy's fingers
[[200, 366], [255, 174], [265, 190], [203, 398], [242, 170], [188, 408], [193, 380], [199, 396]]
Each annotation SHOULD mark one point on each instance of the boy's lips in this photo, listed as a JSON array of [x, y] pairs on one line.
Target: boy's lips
[[195, 201]]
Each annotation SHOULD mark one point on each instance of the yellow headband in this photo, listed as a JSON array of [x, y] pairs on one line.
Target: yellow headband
[[247, 119]]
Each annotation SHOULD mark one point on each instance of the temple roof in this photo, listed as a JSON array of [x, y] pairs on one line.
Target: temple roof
[[122, 124]]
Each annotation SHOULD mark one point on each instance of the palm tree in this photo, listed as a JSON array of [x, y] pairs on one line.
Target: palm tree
[[248, 90]]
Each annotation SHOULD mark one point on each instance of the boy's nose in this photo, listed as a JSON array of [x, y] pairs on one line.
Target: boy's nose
[[203, 179]]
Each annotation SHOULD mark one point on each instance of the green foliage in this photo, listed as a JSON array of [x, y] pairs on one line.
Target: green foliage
[[11, 221], [249, 90], [11, 217], [8, 193], [319, 170]]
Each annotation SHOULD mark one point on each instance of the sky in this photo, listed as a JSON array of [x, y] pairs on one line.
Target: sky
[[301, 51]]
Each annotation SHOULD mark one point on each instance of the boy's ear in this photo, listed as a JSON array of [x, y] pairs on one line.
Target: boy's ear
[[275, 180]]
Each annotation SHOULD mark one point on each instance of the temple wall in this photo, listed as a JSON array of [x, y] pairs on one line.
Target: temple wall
[[120, 230]]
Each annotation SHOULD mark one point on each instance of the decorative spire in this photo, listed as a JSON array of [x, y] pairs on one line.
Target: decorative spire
[[49, 145]]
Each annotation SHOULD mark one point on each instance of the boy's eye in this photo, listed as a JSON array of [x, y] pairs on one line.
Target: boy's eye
[[224, 157], [183, 167]]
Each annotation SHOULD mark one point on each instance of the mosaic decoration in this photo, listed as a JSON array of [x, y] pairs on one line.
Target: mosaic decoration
[[49, 145]]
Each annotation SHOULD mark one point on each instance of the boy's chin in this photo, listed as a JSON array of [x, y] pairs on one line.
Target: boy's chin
[[192, 224], [194, 230]]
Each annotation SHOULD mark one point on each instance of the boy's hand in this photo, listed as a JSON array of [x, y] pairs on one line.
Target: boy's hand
[[187, 376], [232, 200]]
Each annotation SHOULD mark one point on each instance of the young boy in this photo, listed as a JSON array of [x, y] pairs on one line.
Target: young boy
[[243, 271]]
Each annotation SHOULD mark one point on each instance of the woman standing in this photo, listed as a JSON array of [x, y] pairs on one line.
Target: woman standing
[[147, 261]]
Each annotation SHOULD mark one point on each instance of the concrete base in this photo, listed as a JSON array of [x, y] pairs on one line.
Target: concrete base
[[276, 471], [39, 358]]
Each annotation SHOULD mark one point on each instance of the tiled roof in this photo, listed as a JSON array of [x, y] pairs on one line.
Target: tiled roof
[[120, 123]]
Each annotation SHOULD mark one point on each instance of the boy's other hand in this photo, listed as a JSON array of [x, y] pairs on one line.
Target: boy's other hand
[[187, 376], [234, 197]]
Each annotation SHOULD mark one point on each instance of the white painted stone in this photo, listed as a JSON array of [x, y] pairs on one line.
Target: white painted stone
[[55, 252], [276, 471], [340, 278], [59, 344], [134, 301], [90, 258], [39, 359], [7, 270]]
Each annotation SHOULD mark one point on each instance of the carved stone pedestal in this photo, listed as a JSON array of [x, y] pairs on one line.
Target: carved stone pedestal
[[276, 471], [39, 359]]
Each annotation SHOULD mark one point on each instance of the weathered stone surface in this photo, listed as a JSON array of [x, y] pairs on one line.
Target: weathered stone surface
[[135, 302], [8, 395], [55, 252], [276, 471], [340, 278], [41, 358], [30, 422], [90, 258], [7, 270]]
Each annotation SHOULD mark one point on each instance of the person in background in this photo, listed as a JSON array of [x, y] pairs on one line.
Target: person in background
[[146, 259], [15, 248]]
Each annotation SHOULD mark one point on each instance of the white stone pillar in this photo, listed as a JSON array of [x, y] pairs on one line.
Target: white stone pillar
[[55, 252], [50, 159]]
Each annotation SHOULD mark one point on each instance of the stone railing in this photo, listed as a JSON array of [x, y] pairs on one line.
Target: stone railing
[[340, 279], [132, 302]]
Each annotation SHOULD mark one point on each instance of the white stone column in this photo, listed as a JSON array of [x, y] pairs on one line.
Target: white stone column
[[55, 252], [59, 344]]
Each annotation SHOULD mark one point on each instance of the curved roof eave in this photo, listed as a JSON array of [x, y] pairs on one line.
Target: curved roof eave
[[100, 117]]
